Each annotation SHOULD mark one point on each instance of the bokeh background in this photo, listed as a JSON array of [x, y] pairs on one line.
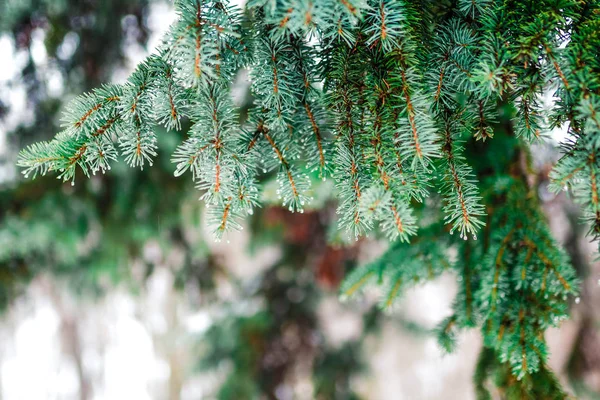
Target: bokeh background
[[114, 289]]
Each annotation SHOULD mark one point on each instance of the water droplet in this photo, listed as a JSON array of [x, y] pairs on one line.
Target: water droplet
[[474, 237], [577, 300]]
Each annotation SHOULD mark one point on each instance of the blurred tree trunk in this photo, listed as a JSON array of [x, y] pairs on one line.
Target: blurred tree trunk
[[69, 335]]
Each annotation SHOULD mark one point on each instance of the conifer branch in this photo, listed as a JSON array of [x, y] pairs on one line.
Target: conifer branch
[[386, 97]]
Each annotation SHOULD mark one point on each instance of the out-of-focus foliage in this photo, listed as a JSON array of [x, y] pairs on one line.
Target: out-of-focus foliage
[[261, 344]]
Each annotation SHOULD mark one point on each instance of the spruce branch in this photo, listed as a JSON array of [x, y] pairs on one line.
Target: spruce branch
[[387, 98]]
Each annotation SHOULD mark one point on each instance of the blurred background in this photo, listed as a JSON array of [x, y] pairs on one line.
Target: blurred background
[[114, 289]]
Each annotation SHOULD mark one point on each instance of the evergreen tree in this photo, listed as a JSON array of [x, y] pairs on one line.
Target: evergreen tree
[[422, 113]]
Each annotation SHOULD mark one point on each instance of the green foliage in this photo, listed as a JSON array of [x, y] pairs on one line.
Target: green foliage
[[240, 340], [525, 278], [393, 100], [424, 259]]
